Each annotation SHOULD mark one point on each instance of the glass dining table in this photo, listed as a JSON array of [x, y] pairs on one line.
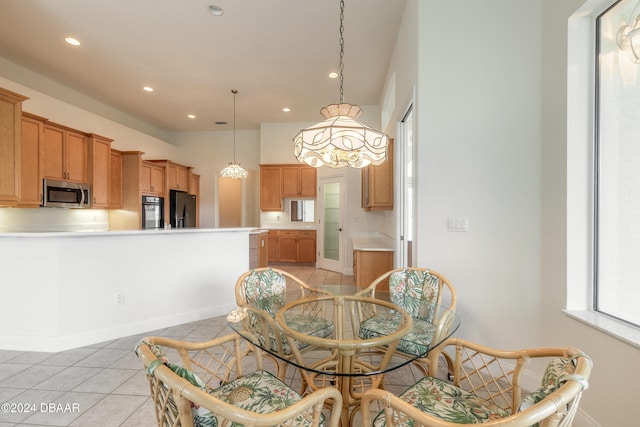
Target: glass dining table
[[360, 347]]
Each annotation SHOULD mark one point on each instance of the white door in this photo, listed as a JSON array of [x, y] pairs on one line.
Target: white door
[[330, 234], [406, 226]]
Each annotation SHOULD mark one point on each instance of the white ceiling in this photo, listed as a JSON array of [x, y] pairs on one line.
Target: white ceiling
[[276, 53]]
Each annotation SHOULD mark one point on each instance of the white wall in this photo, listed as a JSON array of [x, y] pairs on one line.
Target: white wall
[[209, 153], [611, 356], [59, 289]]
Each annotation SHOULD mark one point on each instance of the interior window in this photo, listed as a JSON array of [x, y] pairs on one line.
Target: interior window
[[617, 163]]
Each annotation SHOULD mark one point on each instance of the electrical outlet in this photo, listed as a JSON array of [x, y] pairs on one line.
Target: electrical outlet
[[120, 299]]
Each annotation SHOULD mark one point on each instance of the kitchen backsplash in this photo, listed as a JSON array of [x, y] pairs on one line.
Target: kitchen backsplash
[[53, 219]]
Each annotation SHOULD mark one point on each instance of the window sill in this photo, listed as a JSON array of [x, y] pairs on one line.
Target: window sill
[[610, 326]]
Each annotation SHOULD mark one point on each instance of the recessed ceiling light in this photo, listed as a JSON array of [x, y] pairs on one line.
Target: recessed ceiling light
[[72, 41], [148, 88], [286, 109], [191, 116], [333, 75], [215, 10]]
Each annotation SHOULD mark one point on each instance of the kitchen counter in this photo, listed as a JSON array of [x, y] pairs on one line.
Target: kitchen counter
[[72, 289], [288, 226], [125, 232], [375, 242]]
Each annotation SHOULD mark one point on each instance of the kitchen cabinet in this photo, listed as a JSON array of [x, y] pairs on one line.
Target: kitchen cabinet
[[10, 146], [31, 183], [369, 265], [99, 170], [177, 176], [152, 179], [115, 180], [258, 249], [292, 246], [306, 246], [280, 181], [65, 154], [194, 188], [299, 181], [377, 184], [270, 188]]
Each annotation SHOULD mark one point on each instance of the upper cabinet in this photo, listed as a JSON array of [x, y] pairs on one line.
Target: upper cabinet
[[100, 169], [377, 184], [270, 188], [299, 181], [152, 179], [32, 135], [65, 154], [10, 146], [176, 176], [115, 180], [280, 181]]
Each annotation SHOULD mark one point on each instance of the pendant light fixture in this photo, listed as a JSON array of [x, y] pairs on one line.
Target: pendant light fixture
[[233, 169], [341, 140]]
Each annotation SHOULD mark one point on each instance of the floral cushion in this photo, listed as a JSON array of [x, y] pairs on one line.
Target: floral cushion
[[309, 325], [415, 291], [260, 392], [416, 342], [265, 290], [446, 401], [558, 371]]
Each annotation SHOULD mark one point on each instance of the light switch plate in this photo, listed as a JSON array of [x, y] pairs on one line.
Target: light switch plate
[[458, 224]]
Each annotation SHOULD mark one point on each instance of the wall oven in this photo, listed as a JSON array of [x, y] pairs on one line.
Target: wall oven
[[152, 213], [63, 194]]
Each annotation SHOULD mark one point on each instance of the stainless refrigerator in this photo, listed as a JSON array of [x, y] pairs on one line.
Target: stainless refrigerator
[[182, 209]]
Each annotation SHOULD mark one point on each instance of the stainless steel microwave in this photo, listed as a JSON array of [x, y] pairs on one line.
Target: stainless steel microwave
[[63, 194]]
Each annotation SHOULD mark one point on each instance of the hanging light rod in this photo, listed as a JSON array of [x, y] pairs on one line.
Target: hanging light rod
[[340, 140], [233, 169]]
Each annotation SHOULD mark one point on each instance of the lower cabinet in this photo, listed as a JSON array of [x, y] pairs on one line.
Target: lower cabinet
[[258, 248], [292, 246], [369, 265]]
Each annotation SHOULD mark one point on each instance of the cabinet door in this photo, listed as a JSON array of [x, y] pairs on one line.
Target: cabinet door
[[369, 265], [307, 248], [308, 182], [31, 192], [377, 184], [270, 188], [10, 176], [145, 178], [182, 178], [194, 184], [152, 179], [115, 180], [272, 246], [100, 168], [76, 157], [53, 153], [288, 249], [157, 180], [172, 176], [291, 181]]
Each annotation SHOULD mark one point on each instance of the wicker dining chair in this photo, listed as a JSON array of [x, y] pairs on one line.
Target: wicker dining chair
[[223, 382], [422, 292], [269, 289], [487, 388]]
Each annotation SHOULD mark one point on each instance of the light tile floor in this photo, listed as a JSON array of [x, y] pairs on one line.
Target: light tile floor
[[104, 384]]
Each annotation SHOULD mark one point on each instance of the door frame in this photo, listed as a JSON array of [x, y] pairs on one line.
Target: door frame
[[321, 262]]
